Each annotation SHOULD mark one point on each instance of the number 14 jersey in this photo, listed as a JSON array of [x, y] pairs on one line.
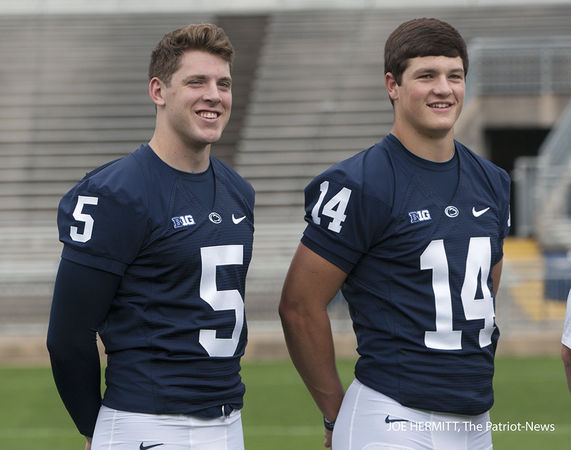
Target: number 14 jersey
[[419, 284]]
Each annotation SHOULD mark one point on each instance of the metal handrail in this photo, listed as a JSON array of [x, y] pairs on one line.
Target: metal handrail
[[519, 65]]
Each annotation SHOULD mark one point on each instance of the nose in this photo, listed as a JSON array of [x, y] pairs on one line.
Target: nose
[[211, 93], [442, 86]]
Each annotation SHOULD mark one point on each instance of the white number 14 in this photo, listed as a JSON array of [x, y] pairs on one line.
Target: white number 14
[[477, 263], [334, 208]]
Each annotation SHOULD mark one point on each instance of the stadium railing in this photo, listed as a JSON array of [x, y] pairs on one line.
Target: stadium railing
[[516, 65]]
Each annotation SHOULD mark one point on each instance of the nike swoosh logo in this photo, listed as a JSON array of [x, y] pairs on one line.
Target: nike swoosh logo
[[146, 447], [237, 220], [477, 213], [389, 420]]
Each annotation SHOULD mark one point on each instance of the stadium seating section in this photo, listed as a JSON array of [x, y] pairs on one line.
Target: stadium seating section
[[308, 91]]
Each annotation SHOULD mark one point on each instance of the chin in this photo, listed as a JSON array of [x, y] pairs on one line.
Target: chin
[[439, 133], [211, 138], [443, 127]]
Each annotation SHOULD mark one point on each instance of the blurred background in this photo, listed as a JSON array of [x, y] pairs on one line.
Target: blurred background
[[308, 92]]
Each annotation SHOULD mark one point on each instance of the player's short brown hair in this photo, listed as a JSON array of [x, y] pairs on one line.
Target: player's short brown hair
[[422, 37], [165, 58]]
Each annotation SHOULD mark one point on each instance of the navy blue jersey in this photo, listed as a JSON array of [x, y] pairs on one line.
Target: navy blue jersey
[[176, 329], [419, 284]]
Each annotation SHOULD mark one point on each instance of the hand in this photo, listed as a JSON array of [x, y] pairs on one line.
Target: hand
[[328, 435], [87, 443]]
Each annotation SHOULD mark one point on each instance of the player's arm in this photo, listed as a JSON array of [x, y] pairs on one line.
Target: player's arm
[[82, 297], [496, 275], [566, 342], [566, 357], [310, 285]]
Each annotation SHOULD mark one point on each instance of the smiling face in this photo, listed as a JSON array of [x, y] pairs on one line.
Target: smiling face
[[429, 99], [194, 107]]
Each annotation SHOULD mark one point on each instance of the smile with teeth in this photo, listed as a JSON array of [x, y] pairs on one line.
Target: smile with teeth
[[208, 114], [440, 105]]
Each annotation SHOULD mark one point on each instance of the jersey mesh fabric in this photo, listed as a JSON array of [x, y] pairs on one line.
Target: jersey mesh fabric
[[418, 266], [183, 267]]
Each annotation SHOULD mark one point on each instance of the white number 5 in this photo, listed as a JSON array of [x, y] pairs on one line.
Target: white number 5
[[81, 217], [221, 300]]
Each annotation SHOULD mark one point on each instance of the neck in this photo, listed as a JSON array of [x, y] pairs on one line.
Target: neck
[[436, 147], [181, 157]]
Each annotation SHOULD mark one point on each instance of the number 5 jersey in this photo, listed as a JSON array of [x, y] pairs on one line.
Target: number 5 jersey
[[176, 329], [419, 263]]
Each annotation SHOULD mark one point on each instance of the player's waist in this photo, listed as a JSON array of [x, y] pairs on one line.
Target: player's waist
[[182, 395], [448, 391]]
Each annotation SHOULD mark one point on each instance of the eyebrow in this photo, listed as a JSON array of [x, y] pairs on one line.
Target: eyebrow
[[429, 69], [204, 77]]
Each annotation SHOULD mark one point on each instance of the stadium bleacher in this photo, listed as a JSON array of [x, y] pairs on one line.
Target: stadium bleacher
[[308, 92], [76, 98]]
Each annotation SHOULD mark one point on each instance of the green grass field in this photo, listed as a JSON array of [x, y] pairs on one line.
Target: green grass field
[[279, 414]]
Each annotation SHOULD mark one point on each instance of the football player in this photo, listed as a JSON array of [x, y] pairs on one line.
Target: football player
[[566, 342], [156, 249], [411, 230]]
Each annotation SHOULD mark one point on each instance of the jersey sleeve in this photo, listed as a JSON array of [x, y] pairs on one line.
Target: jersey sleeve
[[503, 199], [342, 219], [505, 212], [82, 297], [102, 221], [566, 338]]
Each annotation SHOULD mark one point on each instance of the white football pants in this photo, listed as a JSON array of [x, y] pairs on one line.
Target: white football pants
[[120, 430], [369, 420]]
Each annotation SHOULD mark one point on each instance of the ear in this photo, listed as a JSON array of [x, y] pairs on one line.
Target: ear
[[392, 86], [156, 91]]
